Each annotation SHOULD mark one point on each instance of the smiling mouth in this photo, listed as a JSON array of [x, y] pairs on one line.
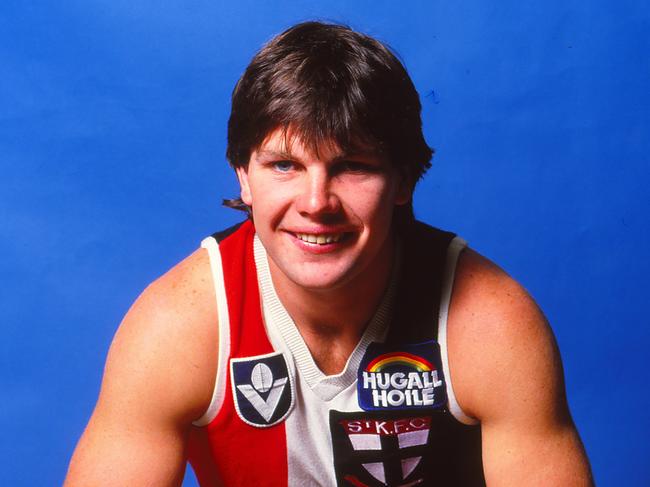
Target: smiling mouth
[[321, 238]]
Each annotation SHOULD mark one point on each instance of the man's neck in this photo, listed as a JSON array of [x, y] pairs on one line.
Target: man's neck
[[332, 321]]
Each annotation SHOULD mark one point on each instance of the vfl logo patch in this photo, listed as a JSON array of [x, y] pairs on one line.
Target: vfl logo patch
[[262, 389], [410, 377], [380, 448]]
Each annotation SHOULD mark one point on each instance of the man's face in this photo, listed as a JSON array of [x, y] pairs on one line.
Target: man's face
[[324, 219]]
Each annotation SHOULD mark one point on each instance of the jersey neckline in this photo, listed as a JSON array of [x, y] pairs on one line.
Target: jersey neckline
[[280, 324]]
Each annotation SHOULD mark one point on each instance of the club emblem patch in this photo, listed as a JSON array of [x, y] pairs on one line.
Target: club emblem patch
[[262, 389], [405, 378], [381, 448]]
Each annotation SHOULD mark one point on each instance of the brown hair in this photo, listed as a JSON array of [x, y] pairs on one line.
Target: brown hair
[[324, 83]]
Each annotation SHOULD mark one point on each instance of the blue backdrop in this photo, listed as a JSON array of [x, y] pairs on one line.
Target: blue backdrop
[[112, 139]]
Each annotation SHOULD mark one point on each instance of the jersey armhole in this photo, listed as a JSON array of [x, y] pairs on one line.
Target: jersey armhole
[[218, 393], [453, 252]]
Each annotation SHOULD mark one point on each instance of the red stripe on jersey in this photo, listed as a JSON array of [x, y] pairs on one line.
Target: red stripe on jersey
[[243, 455]]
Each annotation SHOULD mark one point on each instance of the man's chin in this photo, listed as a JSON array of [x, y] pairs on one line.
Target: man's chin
[[318, 281]]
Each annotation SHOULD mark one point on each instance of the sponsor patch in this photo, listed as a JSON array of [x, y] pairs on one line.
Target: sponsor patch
[[262, 389], [409, 377], [381, 448]]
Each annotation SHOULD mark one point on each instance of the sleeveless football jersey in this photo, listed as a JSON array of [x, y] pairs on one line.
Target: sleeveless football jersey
[[389, 418]]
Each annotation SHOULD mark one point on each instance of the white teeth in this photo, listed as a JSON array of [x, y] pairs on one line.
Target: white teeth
[[320, 239]]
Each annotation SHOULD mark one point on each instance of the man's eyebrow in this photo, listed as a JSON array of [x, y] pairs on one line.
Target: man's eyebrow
[[276, 154], [355, 153]]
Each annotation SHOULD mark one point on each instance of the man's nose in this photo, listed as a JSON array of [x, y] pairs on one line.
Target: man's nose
[[317, 196]]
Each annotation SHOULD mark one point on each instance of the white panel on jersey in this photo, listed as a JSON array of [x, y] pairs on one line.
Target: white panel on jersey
[[311, 462], [412, 438], [364, 441], [376, 470]]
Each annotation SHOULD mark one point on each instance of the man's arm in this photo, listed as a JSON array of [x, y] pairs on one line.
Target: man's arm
[[158, 378], [507, 372]]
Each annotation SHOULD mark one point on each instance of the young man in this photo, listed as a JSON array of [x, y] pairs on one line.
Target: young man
[[331, 339]]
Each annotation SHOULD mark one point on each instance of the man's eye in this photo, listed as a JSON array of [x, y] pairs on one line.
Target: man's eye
[[283, 166]]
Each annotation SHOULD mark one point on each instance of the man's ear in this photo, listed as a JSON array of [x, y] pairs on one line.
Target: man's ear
[[245, 190], [404, 191]]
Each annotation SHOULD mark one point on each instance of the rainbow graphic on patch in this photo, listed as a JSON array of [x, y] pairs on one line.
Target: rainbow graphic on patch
[[406, 359], [408, 377]]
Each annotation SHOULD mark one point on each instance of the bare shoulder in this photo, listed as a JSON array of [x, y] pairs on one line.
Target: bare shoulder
[[507, 373], [502, 351], [158, 378], [167, 343]]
